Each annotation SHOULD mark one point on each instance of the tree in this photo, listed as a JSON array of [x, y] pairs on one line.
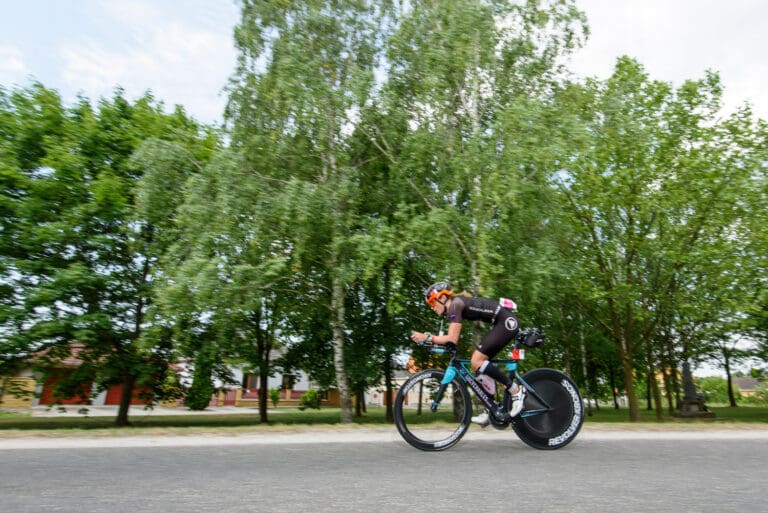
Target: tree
[[79, 265], [651, 196], [304, 70], [218, 286], [462, 76]]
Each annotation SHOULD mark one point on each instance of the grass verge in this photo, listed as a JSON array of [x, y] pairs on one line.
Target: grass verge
[[21, 424]]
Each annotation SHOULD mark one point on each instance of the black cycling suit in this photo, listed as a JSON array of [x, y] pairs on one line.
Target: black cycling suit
[[504, 323]]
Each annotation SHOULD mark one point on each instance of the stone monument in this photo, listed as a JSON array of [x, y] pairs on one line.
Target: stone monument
[[693, 403]]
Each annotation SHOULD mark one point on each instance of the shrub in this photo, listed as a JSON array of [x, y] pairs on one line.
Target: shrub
[[199, 394], [310, 399], [274, 396], [761, 395], [172, 389], [715, 389]]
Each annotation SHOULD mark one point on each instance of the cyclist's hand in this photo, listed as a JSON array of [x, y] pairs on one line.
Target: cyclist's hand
[[418, 337]]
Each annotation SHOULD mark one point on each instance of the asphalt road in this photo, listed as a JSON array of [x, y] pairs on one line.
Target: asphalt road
[[373, 471]]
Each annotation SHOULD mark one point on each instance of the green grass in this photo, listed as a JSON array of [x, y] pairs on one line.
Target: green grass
[[750, 414], [741, 414], [284, 417], [288, 418]]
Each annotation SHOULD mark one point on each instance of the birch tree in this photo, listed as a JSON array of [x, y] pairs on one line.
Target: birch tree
[[305, 70], [469, 79]]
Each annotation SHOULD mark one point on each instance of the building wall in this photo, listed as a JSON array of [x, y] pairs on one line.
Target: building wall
[[18, 392]]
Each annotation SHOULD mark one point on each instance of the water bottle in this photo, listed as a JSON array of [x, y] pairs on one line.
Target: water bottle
[[489, 384]]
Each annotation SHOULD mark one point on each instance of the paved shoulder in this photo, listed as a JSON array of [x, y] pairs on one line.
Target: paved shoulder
[[364, 435]]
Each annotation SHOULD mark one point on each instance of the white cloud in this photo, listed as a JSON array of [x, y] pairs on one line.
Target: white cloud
[[12, 65], [183, 51], [182, 61], [681, 40]]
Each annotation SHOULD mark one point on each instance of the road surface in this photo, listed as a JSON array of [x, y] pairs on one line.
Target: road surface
[[372, 470]]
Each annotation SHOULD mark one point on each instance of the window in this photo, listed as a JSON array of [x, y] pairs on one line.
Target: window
[[289, 381], [251, 381]]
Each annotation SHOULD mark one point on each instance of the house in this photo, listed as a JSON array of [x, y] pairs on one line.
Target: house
[[747, 385], [26, 389], [246, 390], [378, 396]]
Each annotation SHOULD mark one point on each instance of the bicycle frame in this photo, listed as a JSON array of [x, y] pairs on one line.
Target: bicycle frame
[[460, 367]]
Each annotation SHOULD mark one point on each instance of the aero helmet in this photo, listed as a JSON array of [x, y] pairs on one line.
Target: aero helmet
[[437, 290]]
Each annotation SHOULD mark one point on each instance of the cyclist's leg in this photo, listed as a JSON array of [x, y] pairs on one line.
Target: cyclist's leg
[[482, 365], [493, 342]]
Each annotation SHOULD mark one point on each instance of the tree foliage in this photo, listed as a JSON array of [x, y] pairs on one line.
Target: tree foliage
[[77, 257]]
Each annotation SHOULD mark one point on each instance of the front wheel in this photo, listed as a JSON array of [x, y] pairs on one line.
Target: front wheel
[[426, 425], [552, 412]]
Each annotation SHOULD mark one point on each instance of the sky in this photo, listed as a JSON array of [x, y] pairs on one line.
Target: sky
[[182, 50]]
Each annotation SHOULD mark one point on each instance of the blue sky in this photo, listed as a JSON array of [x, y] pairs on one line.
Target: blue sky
[[182, 50]]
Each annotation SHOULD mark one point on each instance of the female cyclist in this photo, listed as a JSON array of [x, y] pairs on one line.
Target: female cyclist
[[457, 308]]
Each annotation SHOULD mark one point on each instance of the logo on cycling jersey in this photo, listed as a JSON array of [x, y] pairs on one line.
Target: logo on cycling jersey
[[511, 323]]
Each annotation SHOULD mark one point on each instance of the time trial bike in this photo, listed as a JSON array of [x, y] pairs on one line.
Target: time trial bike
[[433, 408]]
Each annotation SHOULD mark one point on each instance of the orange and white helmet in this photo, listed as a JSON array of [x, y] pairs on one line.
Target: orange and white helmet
[[436, 291]]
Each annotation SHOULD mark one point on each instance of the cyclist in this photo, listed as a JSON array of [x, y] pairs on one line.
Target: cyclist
[[457, 308]]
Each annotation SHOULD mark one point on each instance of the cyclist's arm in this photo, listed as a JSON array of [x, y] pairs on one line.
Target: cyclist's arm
[[454, 330]]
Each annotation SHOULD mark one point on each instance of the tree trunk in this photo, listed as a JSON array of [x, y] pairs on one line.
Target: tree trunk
[[129, 380], [359, 403], [656, 392], [3, 385], [421, 397], [614, 388], [666, 373], [731, 396], [388, 368], [676, 386], [388, 386], [654, 384], [263, 392], [567, 355], [337, 309], [628, 371], [584, 366], [125, 401]]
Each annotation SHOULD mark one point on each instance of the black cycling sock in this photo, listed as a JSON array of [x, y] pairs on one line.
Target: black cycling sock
[[494, 372]]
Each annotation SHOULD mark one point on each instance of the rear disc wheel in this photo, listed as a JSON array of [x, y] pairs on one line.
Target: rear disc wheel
[[552, 412]]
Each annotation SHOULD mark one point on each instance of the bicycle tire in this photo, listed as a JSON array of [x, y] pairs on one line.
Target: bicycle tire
[[557, 427], [426, 429]]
